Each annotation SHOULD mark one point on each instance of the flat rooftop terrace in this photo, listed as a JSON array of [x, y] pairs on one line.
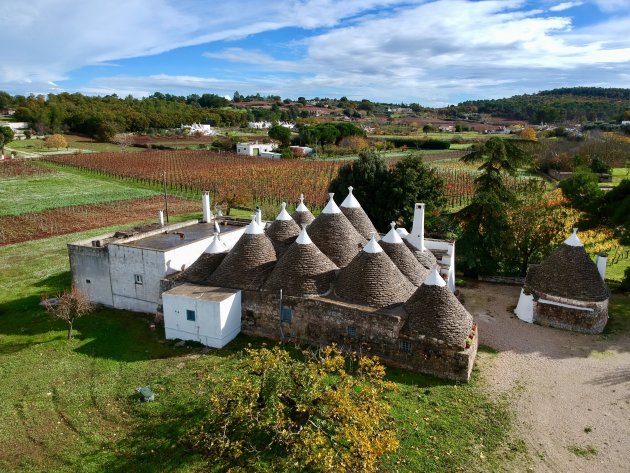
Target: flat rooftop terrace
[[185, 235]]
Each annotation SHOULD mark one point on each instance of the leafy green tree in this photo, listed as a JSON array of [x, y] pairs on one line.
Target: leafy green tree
[[368, 175], [282, 134], [582, 190], [411, 181], [6, 136], [615, 209], [280, 414], [427, 128]]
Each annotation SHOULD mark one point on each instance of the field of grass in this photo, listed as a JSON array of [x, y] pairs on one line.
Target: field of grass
[[445, 136], [70, 406], [75, 144], [35, 193]]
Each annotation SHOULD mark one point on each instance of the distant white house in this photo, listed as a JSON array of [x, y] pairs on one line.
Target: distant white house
[[625, 122], [254, 148], [199, 129], [266, 125], [447, 128]]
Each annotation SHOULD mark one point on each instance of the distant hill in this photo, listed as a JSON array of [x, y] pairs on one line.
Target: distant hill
[[569, 104]]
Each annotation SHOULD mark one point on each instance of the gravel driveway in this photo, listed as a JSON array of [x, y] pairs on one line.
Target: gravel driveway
[[570, 392]]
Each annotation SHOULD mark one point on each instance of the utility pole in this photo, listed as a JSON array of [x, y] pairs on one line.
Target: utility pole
[[165, 198]]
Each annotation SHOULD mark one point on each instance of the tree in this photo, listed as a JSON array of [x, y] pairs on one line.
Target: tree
[[125, 139], [427, 128], [69, 306], [537, 223], [484, 221], [6, 136], [279, 412], [282, 134], [411, 181], [368, 175], [582, 190], [56, 141], [528, 134], [498, 157]]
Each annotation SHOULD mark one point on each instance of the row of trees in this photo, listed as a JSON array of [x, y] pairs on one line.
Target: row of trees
[[103, 117], [579, 104]]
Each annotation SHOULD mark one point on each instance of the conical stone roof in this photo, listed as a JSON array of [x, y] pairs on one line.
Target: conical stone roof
[[570, 273], [402, 257], [435, 312], [248, 263], [373, 279], [302, 215], [335, 236], [425, 258], [303, 270], [283, 231], [357, 216], [200, 271]]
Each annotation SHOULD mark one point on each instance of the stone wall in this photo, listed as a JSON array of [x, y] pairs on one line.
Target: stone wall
[[321, 321], [569, 314]]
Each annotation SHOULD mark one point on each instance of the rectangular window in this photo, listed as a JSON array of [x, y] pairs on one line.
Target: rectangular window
[[190, 315], [88, 281], [352, 331], [137, 278], [405, 346], [286, 314]]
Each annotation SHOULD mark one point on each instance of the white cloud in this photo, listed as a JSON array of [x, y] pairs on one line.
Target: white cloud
[[565, 6], [612, 5], [52, 38]]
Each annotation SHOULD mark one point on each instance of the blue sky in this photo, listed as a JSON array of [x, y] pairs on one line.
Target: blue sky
[[431, 52]]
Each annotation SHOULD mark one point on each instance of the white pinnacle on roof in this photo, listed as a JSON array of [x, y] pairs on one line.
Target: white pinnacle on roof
[[217, 246], [402, 232], [254, 228], [434, 279], [372, 246], [217, 230], [573, 240], [392, 236], [331, 207], [351, 202], [301, 207], [303, 238], [283, 215]]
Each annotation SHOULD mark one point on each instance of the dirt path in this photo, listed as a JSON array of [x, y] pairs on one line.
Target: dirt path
[[570, 392]]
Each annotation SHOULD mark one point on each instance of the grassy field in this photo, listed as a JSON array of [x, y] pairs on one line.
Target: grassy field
[[76, 143], [23, 194], [70, 406]]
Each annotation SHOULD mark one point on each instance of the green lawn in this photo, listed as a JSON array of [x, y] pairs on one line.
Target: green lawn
[[70, 406], [62, 188]]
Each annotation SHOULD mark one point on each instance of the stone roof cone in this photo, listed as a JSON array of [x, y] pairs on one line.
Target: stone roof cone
[[352, 209], [302, 214], [373, 279], [283, 231], [568, 272], [303, 270], [200, 271], [435, 312], [425, 258], [248, 264], [402, 257], [335, 236]]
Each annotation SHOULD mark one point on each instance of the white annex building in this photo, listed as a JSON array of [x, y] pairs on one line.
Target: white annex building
[[254, 148], [125, 269]]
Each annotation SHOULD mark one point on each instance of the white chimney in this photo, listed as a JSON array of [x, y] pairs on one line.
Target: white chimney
[[416, 237], [205, 205], [258, 216], [161, 217], [600, 261]]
